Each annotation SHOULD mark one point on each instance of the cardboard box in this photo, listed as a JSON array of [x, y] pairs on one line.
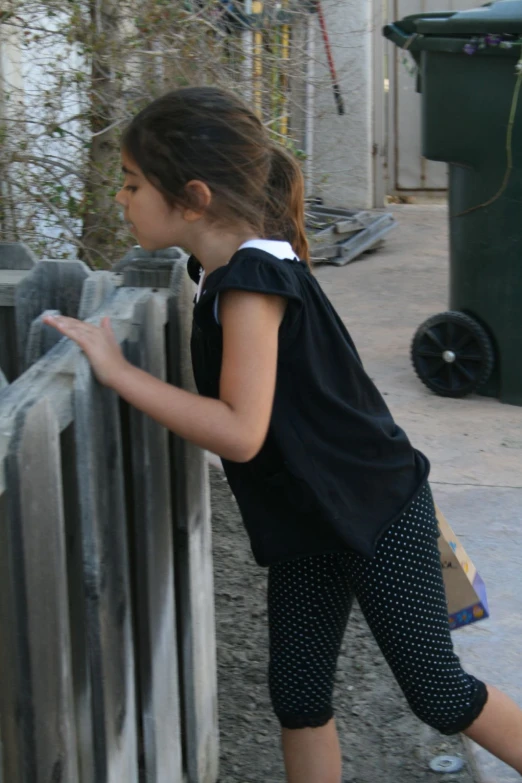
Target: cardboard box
[[465, 589]]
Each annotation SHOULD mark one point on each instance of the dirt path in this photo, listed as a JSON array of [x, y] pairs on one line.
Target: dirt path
[[382, 741]]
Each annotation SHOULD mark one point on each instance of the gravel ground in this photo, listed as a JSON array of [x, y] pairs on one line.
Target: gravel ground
[[381, 739]]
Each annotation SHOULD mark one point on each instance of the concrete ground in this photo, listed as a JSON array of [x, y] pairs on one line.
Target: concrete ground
[[474, 444]]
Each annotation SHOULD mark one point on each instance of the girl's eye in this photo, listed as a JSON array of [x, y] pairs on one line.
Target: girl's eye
[[131, 188]]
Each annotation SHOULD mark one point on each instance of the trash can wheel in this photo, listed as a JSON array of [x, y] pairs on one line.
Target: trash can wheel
[[452, 354]]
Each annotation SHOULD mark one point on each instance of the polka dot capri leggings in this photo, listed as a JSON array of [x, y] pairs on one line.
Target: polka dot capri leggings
[[401, 594]]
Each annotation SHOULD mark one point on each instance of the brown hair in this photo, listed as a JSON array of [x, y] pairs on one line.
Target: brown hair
[[208, 134]]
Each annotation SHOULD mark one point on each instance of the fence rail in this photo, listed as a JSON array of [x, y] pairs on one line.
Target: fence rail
[[107, 661]]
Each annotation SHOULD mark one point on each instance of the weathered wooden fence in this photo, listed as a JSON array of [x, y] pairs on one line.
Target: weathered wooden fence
[[107, 648]]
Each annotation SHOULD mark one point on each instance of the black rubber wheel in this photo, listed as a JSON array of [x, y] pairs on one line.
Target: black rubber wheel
[[452, 354]]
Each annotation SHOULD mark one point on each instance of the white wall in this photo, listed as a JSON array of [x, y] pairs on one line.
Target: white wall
[[10, 73], [343, 160]]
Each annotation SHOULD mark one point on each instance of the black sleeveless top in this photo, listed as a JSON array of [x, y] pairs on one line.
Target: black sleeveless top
[[335, 470]]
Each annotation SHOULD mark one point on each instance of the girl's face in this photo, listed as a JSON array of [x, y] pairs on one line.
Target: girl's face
[[153, 222]]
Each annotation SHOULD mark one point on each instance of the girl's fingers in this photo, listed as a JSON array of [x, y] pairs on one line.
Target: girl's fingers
[[109, 332], [61, 322], [107, 327], [78, 331]]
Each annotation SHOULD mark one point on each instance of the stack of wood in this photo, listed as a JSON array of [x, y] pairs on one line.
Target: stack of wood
[[338, 236]]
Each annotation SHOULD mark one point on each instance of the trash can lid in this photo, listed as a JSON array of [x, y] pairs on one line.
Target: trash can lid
[[502, 16]]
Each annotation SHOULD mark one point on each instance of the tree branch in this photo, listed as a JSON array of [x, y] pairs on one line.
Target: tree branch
[[39, 197]]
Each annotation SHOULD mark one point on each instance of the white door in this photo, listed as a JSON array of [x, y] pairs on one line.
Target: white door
[[407, 169]]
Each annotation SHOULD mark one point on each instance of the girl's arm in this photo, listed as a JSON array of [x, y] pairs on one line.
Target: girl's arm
[[234, 426]]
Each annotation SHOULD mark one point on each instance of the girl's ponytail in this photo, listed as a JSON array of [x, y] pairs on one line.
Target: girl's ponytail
[[284, 214]]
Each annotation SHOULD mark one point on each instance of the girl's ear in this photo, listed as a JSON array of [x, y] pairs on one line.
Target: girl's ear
[[199, 197]]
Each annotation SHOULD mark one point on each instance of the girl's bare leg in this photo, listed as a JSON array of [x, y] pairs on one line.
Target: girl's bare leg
[[312, 755], [498, 729]]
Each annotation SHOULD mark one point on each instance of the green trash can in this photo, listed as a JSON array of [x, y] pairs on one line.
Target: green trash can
[[469, 77]]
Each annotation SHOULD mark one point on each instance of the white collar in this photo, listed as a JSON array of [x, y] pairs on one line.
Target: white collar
[[275, 247]]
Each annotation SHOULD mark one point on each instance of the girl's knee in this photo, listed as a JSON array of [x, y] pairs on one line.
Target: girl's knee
[[300, 705], [303, 720], [449, 711]]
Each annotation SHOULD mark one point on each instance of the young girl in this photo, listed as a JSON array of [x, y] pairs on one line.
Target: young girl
[[335, 499]]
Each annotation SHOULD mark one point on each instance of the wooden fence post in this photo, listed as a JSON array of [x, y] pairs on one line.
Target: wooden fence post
[[193, 546], [16, 255], [51, 285], [108, 603], [78, 610], [97, 290], [40, 339], [153, 562], [38, 726]]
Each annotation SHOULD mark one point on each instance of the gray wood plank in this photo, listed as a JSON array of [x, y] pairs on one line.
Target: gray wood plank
[[138, 254], [9, 279], [78, 620], [16, 255], [41, 338], [51, 285], [154, 273], [53, 375], [9, 674], [153, 566], [106, 579], [193, 547], [36, 707], [8, 349], [97, 290]]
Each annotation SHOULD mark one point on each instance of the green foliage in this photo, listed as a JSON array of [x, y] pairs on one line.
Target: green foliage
[[85, 67]]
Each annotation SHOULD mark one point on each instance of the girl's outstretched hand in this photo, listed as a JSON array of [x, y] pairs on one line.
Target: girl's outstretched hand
[[97, 342]]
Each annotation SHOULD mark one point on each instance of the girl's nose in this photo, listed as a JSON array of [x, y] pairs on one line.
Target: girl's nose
[[119, 198]]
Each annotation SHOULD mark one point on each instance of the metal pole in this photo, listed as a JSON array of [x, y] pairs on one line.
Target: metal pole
[[335, 84], [257, 8], [285, 56], [248, 51], [310, 103]]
